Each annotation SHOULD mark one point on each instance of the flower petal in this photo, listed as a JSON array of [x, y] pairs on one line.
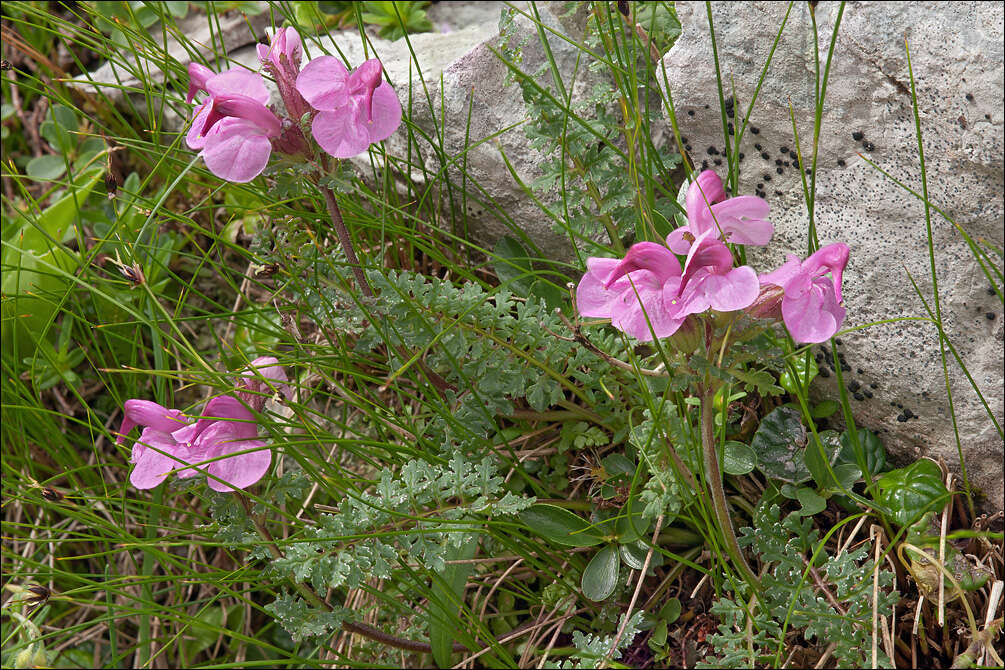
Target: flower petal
[[592, 299], [815, 315], [239, 81], [705, 190], [833, 258], [641, 310], [198, 75], [138, 412], [649, 256], [240, 471], [343, 134], [152, 466], [742, 220], [322, 82], [386, 113], [731, 291], [237, 150]]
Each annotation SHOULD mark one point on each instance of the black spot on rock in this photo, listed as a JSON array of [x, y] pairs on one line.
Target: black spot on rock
[[755, 130], [990, 316], [712, 151], [858, 396], [857, 135], [841, 162], [854, 386], [779, 170]]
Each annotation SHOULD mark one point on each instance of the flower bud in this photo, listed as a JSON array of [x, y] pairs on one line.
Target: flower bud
[[768, 304]]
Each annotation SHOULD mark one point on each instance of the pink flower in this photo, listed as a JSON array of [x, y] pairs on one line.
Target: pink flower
[[233, 128], [171, 441], [265, 378], [739, 220], [711, 282], [635, 293], [646, 294], [810, 303], [354, 110]]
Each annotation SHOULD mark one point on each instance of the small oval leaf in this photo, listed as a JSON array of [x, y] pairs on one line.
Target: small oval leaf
[[601, 574], [560, 525], [738, 458]]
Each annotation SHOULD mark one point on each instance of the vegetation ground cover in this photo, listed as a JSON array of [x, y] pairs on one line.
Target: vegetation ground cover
[[469, 465]]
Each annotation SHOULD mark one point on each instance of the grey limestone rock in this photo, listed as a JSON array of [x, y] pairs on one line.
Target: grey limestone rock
[[957, 58]]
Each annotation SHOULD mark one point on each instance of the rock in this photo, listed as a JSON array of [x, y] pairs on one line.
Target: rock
[[957, 57], [234, 30]]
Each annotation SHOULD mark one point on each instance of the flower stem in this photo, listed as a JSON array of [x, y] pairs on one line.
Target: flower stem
[[343, 235], [714, 476]]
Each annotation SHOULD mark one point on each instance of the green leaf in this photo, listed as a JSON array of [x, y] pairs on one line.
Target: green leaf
[[802, 381], [631, 525], [738, 458], [633, 554], [446, 600], [601, 574], [548, 293], [560, 525], [810, 501], [670, 611], [177, 8], [512, 266], [757, 380], [910, 492], [47, 167], [824, 409], [65, 116], [873, 452], [819, 456], [780, 444]]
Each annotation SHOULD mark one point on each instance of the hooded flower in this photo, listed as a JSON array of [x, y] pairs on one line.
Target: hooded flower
[[233, 127], [634, 293], [739, 220], [811, 304], [646, 294], [355, 109], [213, 443]]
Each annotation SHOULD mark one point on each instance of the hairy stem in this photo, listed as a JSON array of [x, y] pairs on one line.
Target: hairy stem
[[714, 476], [345, 240]]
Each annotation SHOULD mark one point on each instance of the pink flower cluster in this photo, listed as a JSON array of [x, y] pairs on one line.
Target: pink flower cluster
[[171, 441], [647, 294], [235, 131]]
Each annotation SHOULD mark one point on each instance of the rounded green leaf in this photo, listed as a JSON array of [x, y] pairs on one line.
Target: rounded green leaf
[[738, 458], [560, 525], [873, 452], [601, 574], [633, 554], [48, 167], [792, 385], [630, 524], [824, 409], [780, 444], [670, 611], [910, 492], [811, 502]]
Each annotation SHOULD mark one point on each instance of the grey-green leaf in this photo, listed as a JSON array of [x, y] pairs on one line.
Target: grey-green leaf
[[780, 443], [601, 574], [560, 525], [738, 458]]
